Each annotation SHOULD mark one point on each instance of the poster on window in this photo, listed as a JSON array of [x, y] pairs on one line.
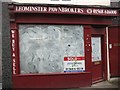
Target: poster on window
[[74, 64]]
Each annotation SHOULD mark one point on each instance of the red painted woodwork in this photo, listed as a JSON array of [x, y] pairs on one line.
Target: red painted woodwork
[[97, 66], [15, 59], [60, 80], [61, 9], [99, 71], [61, 19], [87, 42], [113, 52], [119, 51]]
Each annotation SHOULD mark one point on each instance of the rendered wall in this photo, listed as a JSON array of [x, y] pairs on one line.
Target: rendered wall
[[0, 42], [73, 2], [6, 49]]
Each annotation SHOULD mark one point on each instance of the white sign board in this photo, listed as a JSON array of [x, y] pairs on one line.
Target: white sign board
[[73, 2], [74, 64]]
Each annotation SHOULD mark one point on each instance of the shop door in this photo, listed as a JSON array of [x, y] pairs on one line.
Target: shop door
[[97, 59]]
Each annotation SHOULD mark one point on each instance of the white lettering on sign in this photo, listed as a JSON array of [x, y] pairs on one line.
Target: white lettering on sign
[[40, 9], [13, 45], [72, 10], [13, 51], [101, 11], [14, 66], [89, 11], [30, 8]]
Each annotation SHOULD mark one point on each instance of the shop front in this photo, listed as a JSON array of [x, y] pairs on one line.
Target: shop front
[[58, 46]]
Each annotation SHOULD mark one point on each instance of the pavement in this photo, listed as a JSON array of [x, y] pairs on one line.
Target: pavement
[[105, 84], [113, 83], [0, 86]]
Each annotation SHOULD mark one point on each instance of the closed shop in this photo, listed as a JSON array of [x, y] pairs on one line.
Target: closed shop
[[58, 46]]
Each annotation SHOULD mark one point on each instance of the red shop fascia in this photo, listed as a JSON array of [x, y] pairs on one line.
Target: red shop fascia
[[94, 21]]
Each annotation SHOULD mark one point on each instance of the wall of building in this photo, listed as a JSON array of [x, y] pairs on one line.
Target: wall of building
[[114, 0], [115, 4], [1, 7], [114, 42], [6, 48], [73, 2], [113, 50], [0, 42], [6, 55]]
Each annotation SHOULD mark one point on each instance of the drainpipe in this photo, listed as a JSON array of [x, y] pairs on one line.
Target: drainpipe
[[108, 60]]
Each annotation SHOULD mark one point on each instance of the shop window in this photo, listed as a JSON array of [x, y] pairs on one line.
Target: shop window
[[43, 48]]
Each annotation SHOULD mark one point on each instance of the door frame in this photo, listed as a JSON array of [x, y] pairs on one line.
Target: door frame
[[101, 31]]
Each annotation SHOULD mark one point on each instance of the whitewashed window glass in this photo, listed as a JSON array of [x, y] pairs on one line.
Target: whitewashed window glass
[[43, 47], [96, 49]]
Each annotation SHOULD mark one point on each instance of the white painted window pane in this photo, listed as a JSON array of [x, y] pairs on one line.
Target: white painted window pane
[[43, 47], [96, 49]]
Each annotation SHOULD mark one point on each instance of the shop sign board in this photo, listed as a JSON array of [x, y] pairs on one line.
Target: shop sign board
[[74, 64], [66, 10]]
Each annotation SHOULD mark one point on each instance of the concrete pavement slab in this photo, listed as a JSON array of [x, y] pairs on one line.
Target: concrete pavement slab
[[0, 86], [104, 85]]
